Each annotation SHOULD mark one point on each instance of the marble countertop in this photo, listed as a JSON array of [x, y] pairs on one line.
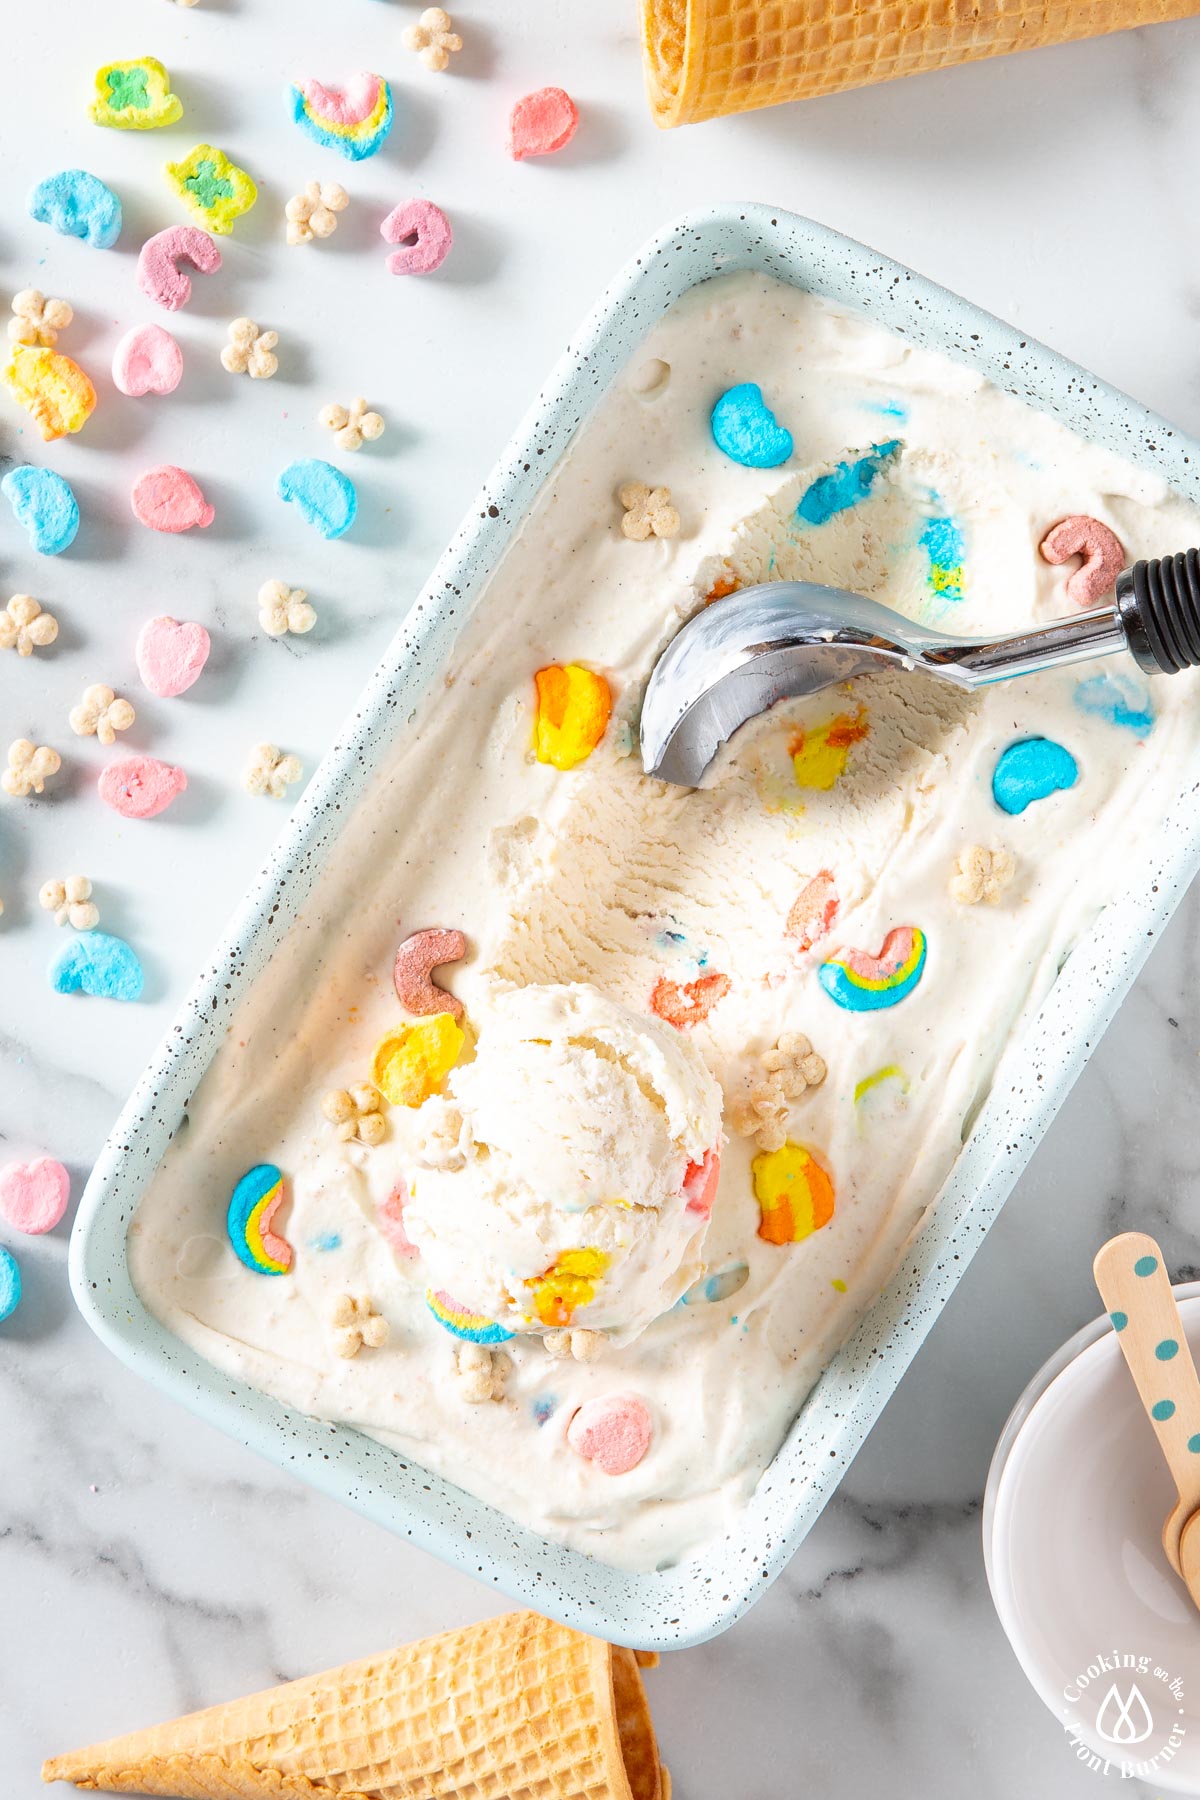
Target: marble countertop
[[147, 1564]]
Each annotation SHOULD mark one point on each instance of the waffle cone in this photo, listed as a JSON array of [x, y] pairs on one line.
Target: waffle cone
[[706, 58], [515, 1708]]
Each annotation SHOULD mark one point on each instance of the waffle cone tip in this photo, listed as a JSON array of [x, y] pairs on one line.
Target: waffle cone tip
[[511, 1705]]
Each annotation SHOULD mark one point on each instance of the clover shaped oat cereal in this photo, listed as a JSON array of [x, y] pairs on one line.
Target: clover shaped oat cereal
[[433, 38], [313, 214], [648, 512], [981, 874], [37, 320], [30, 767], [352, 425], [71, 902], [24, 627], [481, 1373], [791, 1067], [269, 771], [357, 1113], [583, 1345], [250, 351], [101, 714], [356, 1323], [282, 609]]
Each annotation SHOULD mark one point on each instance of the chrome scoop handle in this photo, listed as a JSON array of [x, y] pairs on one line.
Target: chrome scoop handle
[[739, 656], [1155, 615]]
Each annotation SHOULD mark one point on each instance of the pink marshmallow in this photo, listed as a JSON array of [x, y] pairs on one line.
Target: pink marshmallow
[[700, 1182], [614, 1432], [147, 361], [169, 499], [138, 787], [34, 1195], [390, 1215], [1102, 551], [158, 273], [541, 122], [428, 228], [171, 655]]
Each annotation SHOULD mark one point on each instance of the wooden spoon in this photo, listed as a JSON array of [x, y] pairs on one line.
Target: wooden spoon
[[1136, 1289]]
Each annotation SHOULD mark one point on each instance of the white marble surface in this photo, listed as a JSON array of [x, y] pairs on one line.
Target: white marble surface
[[148, 1565]]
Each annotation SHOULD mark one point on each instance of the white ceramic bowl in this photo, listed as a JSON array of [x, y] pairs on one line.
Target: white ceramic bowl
[[1072, 1520]]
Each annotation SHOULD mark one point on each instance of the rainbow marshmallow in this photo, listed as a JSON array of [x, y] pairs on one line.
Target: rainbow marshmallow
[[474, 1327], [354, 120], [252, 1206], [860, 982]]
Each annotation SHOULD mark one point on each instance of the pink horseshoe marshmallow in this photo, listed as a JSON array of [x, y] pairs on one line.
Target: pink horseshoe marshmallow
[[423, 232], [158, 273], [412, 971], [1102, 552]]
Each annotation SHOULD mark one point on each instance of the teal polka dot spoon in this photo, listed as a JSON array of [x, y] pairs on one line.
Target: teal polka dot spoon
[[1136, 1289]]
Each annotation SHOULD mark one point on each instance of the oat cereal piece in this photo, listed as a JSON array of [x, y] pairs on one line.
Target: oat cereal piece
[[648, 512], [357, 1325], [24, 627], [356, 1113], [482, 1372], [101, 714], [981, 874], [71, 902], [30, 767], [433, 38], [250, 351], [352, 426], [791, 1067], [584, 1346], [313, 213], [269, 771], [282, 609], [37, 320]]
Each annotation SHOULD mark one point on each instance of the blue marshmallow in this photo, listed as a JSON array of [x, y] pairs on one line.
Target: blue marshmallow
[[44, 505], [79, 205], [96, 963]]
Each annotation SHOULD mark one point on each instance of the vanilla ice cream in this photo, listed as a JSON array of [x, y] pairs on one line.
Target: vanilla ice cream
[[558, 1182], [834, 944]]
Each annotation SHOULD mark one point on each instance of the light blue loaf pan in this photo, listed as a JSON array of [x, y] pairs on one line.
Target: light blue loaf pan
[[682, 1605]]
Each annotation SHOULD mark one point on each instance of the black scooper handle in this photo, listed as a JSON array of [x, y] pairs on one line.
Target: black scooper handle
[[1158, 604]]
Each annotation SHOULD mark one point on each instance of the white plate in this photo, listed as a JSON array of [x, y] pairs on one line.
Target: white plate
[[1072, 1528]]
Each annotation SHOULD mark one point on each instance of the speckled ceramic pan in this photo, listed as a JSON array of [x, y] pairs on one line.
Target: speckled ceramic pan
[[693, 1601]]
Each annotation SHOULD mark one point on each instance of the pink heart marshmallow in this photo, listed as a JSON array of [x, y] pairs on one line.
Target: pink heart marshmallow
[[147, 361], [170, 655], [34, 1195]]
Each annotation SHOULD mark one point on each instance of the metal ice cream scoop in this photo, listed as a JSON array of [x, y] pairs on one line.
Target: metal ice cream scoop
[[786, 638]]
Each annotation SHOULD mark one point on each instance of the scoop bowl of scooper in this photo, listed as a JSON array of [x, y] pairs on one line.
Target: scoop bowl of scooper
[[783, 639]]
